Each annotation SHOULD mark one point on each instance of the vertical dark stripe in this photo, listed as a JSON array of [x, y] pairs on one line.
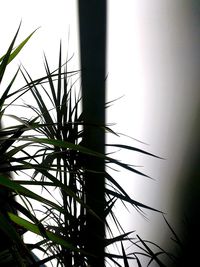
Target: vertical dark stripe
[[92, 25]]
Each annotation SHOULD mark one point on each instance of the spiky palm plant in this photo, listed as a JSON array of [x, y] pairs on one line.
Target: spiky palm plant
[[60, 161], [51, 145], [62, 130], [13, 252]]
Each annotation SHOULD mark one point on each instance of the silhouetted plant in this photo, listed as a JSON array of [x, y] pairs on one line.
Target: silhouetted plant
[[13, 252], [58, 161], [47, 151]]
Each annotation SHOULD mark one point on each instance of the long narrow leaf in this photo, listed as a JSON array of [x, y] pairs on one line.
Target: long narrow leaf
[[18, 48], [131, 148], [51, 236], [124, 256], [129, 200], [26, 192]]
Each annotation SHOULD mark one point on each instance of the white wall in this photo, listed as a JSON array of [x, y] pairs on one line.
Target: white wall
[[152, 61]]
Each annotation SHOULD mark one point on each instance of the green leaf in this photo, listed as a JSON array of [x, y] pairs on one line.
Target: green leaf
[[10, 231], [18, 48], [82, 149], [5, 58], [24, 191], [51, 236]]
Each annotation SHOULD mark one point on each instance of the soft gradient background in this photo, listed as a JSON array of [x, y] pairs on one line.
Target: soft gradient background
[[153, 63]]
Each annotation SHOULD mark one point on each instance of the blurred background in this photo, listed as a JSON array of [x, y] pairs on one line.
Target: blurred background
[[153, 67], [153, 60]]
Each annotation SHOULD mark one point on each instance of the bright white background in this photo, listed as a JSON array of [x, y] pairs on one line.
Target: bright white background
[[152, 63]]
